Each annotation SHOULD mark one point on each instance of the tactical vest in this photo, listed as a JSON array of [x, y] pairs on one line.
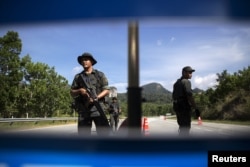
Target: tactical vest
[[94, 81]]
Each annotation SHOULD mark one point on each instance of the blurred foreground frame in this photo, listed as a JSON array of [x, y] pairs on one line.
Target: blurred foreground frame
[[30, 12], [23, 12]]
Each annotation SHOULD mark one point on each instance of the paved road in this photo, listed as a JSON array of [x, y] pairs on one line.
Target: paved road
[[169, 127], [156, 127]]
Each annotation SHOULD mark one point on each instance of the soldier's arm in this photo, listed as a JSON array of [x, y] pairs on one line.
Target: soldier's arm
[[105, 87], [103, 93], [192, 101], [189, 93], [77, 92], [76, 89]]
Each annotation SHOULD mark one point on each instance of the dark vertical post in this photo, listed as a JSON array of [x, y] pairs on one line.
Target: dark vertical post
[[134, 91]]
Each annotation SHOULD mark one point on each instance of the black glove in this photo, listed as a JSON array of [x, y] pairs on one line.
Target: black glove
[[197, 113]]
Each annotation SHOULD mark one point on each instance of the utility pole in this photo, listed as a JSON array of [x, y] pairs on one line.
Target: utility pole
[[134, 91]]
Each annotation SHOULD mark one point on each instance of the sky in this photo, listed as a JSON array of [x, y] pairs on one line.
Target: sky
[[165, 47]]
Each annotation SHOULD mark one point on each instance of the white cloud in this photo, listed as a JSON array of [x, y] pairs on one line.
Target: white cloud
[[121, 87], [207, 54], [205, 82]]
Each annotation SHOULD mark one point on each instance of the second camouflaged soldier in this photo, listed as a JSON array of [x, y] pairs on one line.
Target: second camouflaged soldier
[[114, 111]]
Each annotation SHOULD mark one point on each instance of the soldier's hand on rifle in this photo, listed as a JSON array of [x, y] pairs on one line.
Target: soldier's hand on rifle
[[83, 91], [91, 100]]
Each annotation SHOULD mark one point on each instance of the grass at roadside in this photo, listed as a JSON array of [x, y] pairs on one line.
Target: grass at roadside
[[229, 122], [7, 126]]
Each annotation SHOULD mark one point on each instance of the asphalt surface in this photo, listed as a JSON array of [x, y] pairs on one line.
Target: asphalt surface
[[157, 126]]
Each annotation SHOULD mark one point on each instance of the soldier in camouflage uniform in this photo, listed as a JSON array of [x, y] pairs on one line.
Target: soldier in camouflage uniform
[[87, 112], [183, 101], [114, 111]]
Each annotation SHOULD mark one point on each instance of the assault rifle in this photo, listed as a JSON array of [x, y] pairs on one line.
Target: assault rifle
[[92, 95]]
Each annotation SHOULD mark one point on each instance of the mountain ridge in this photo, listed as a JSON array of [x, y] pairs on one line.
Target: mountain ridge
[[154, 92]]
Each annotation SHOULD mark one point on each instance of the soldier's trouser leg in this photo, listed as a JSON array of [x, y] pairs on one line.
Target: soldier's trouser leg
[[101, 128], [112, 122], [184, 122], [116, 118], [84, 125]]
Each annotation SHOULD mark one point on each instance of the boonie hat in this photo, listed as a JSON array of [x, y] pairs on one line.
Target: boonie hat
[[86, 55], [188, 69]]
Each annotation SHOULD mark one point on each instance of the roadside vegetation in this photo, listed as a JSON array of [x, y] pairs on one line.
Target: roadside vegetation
[[8, 126], [230, 99], [29, 88]]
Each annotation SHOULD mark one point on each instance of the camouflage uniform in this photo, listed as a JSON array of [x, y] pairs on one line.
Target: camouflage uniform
[[87, 112], [182, 89], [114, 109]]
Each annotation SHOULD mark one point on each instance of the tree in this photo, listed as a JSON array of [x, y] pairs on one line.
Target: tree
[[230, 99], [244, 78], [10, 48], [46, 92], [28, 88]]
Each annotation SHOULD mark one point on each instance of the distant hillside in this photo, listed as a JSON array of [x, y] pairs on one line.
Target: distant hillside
[[197, 90], [155, 92], [154, 88], [152, 92]]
